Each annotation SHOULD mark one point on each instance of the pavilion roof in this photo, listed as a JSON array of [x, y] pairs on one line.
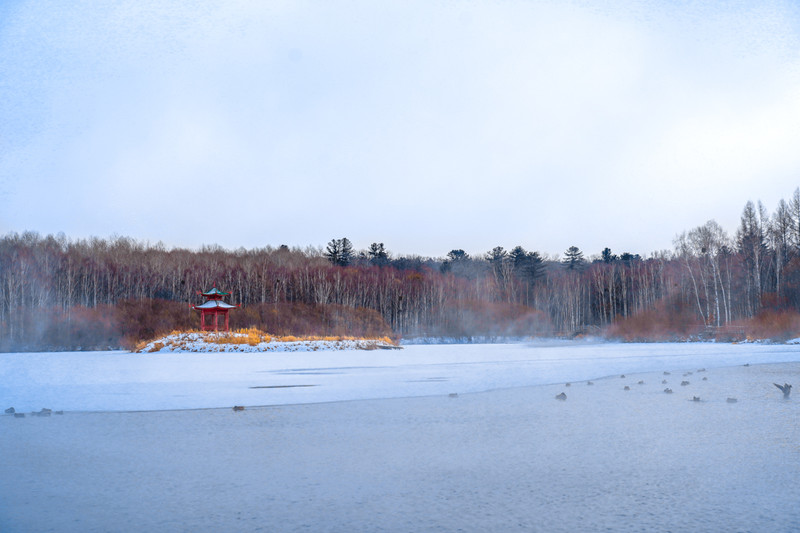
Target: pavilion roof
[[212, 304], [215, 292]]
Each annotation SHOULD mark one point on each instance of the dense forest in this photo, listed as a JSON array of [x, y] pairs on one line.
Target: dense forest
[[60, 293]]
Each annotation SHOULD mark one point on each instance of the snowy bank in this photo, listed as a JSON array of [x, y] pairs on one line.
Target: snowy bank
[[198, 342]]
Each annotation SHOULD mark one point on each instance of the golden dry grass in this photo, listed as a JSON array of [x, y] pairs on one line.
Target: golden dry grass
[[179, 340], [157, 346]]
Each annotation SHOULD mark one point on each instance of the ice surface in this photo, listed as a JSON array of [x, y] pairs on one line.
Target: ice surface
[[514, 459], [121, 381]]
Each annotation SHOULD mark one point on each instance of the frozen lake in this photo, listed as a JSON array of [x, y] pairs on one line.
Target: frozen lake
[[502, 455], [121, 381]]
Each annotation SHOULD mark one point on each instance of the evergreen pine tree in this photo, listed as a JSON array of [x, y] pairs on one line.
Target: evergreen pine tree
[[573, 258]]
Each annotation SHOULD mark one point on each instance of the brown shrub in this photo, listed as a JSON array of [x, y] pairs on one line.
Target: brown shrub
[[140, 320], [666, 322], [294, 318], [768, 324]]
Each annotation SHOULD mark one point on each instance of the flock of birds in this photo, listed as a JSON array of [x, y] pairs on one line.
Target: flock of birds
[[786, 388], [44, 412]]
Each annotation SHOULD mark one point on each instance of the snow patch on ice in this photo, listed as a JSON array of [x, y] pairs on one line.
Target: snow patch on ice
[[532, 341]]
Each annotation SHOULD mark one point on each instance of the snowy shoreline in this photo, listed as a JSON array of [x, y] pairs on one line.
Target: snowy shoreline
[[197, 342]]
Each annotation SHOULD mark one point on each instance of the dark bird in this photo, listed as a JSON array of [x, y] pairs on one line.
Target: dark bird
[[238, 407], [561, 396], [668, 390], [10, 411], [731, 400], [785, 389]]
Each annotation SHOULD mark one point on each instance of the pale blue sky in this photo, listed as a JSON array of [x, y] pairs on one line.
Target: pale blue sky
[[424, 125]]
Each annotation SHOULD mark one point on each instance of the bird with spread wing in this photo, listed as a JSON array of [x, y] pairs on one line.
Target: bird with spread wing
[[785, 389]]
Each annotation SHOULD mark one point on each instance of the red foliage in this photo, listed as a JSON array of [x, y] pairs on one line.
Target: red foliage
[[294, 318], [772, 324], [139, 320], [666, 322]]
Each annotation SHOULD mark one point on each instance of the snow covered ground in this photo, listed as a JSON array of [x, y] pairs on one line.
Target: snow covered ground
[[500, 455]]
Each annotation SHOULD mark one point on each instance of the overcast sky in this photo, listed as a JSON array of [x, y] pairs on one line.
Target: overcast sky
[[427, 125]]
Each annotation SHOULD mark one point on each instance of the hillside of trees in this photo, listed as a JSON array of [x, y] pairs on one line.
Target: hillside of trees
[[61, 293]]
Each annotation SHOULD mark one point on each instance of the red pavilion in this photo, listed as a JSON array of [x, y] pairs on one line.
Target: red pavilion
[[213, 310]]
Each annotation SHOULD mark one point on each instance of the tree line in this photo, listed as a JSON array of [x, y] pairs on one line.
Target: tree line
[[65, 293]]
